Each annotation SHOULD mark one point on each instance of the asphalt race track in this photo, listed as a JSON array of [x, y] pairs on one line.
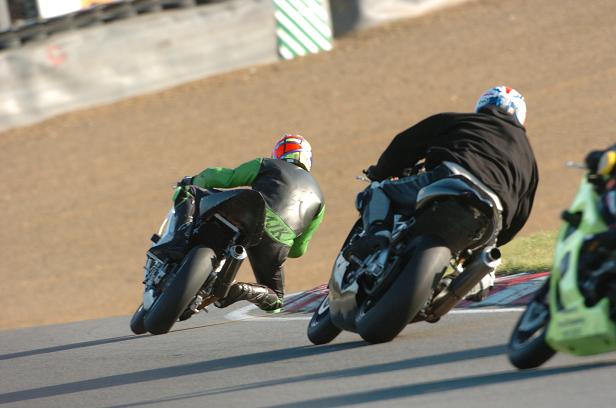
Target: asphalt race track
[[213, 360]]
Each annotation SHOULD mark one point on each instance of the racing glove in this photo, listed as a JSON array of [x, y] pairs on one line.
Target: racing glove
[[186, 181], [372, 173]]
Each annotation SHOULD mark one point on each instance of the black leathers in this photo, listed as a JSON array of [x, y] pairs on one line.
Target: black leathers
[[490, 144]]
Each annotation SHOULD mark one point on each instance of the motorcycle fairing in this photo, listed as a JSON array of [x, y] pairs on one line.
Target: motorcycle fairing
[[244, 208], [454, 186], [342, 298], [574, 327], [462, 214], [165, 228]]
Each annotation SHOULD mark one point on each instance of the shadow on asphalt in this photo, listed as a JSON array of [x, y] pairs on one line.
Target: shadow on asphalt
[[92, 343], [254, 359], [65, 347], [410, 363], [172, 371], [392, 393], [450, 384]]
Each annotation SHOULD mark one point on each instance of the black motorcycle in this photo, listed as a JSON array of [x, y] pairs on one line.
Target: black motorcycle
[[228, 223], [455, 223]]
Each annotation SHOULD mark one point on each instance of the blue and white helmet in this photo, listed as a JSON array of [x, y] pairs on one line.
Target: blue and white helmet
[[506, 99]]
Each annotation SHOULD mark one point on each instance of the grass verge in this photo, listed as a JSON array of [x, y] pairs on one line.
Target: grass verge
[[528, 254]]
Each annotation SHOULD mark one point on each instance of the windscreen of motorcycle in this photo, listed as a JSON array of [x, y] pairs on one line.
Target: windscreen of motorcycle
[[165, 227]]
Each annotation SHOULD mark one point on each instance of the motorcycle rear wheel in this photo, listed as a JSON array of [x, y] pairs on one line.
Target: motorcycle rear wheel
[[321, 329], [178, 294], [527, 346], [381, 319], [137, 324]]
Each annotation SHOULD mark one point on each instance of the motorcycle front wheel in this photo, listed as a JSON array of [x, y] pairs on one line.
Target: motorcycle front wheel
[[321, 329], [137, 324], [527, 346], [382, 318], [180, 291]]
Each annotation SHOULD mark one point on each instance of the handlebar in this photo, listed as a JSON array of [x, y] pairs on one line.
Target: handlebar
[[575, 165]]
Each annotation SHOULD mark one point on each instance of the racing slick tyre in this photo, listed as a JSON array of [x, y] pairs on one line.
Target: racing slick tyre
[[382, 318], [137, 324], [527, 346], [321, 329], [180, 291]]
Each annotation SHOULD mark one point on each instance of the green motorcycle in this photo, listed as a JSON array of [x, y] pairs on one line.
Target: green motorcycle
[[575, 310]]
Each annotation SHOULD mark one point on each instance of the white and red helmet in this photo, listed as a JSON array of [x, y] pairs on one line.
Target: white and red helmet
[[294, 149], [506, 99]]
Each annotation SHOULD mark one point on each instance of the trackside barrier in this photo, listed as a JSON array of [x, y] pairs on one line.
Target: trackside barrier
[[109, 62], [105, 53], [351, 15], [302, 27], [105, 13]]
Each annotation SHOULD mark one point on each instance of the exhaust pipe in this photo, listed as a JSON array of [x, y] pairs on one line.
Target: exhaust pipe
[[482, 264], [236, 254]]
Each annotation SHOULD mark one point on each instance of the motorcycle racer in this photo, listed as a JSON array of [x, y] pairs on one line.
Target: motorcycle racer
[[295, 209], [574, 310], [491, 143]]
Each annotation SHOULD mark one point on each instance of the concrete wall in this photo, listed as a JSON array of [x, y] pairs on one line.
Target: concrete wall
[[5, 18], [350, 15], [105, 63]]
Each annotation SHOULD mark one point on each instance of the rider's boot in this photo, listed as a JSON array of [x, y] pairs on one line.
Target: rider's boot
[[262, 296], [174, 249]]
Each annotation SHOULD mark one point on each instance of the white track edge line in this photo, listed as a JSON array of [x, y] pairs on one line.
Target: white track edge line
[[242, 314]]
